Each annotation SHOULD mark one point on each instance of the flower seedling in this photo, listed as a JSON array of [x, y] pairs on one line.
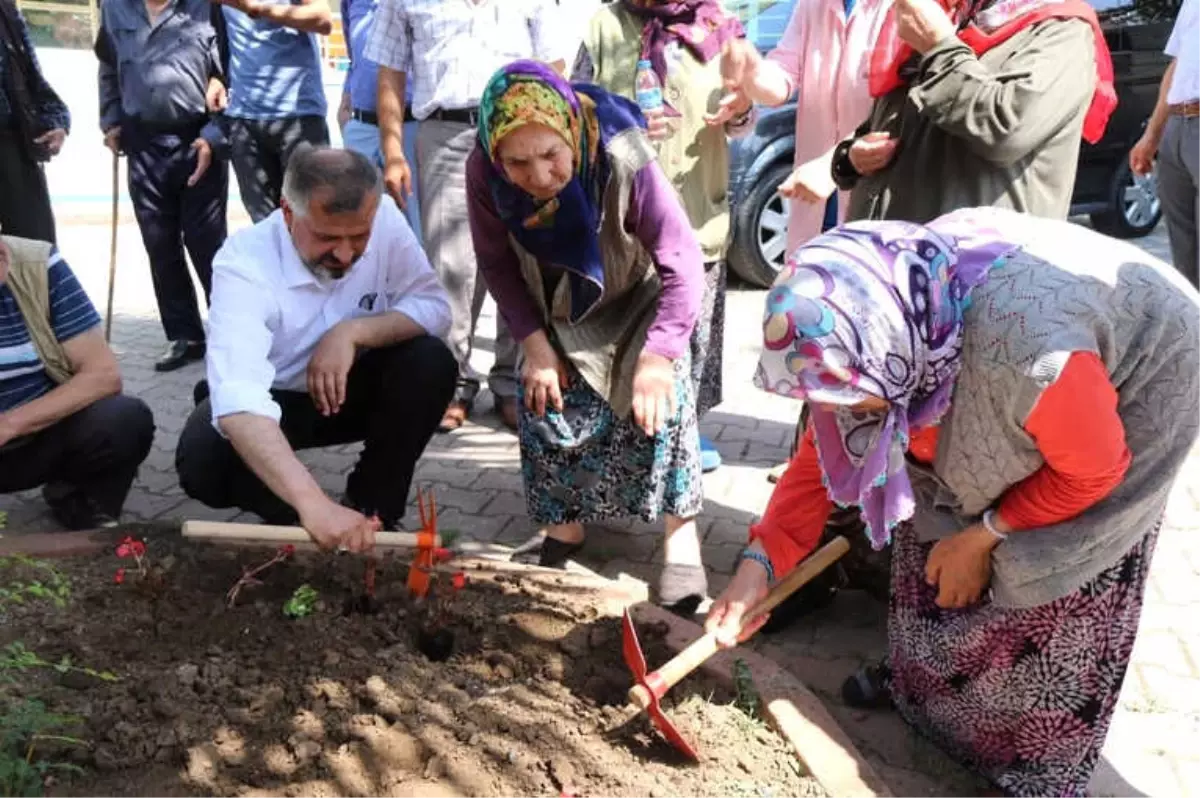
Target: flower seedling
[[302, 603], [249, 576], [136, 549]]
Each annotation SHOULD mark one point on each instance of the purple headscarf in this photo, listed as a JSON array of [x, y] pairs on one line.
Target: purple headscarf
[[876, 309], [700, 25]]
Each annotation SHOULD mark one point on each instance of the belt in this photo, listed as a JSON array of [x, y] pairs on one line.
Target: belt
[[366, 117], [1187, 110], [465, 116]]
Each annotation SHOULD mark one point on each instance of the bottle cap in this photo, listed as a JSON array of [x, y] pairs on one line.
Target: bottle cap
[[644, 64]]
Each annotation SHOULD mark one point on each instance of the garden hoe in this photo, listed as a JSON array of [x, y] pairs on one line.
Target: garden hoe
[[426, 543], [651, 687]]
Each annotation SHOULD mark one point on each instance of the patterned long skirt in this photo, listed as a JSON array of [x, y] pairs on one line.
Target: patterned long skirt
[[708, 340], [1022, 696], [585, 464]]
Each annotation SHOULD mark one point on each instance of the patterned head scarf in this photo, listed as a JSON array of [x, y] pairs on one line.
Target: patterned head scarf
[[702, 26], [564, 230], [875, 309]]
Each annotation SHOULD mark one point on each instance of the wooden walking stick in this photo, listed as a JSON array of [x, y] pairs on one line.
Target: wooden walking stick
[[112, 248]]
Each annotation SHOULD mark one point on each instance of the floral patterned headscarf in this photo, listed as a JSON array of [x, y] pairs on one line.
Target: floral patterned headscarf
[[564, 230], [875, 309]]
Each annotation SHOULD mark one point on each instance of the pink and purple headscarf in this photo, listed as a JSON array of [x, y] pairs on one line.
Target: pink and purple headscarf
[[876, 309]]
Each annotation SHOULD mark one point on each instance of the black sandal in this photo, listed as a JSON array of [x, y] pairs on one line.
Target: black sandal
[[546, 552], [869, 688]]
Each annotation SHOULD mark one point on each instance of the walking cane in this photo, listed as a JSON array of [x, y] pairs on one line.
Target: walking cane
[[112, 249]]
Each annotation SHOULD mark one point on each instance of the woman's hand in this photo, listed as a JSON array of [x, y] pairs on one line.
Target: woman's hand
[[922, 24], [960, 566], [810, 182], [544, 375], [653, 392], [747, 588], [872, 152], [658, 126]]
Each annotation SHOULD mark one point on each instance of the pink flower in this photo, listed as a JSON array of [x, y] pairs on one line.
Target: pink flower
[[119, 576], [288, 550]]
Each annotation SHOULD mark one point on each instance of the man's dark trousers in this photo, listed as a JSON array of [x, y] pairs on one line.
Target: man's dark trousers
[[395, 397], [173, 215], [24, 196], [261, 149], [96, 451]]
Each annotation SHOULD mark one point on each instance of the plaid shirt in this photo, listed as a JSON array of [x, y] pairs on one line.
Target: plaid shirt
[[51, 112], [451, 48]]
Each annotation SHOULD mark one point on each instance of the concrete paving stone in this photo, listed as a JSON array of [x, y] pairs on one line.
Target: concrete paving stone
[[769, 454], [1167, 649], [722, 557], [148, 506], [722, 531], [613, 569], [611, 541], [726, 419], [500, 481], [480, 528], [192, 510], [156, 481], [439, 467], [468, 501], [1168, 691], [506, 502], [1187, 775]]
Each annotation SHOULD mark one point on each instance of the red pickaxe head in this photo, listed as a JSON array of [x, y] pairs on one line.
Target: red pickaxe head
[[654, 688], [427, 543]]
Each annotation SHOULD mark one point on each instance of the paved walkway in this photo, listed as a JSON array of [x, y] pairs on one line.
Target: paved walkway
[[1154, 747]]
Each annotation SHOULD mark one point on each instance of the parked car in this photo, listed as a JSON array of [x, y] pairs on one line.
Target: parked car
[[1105, 189]]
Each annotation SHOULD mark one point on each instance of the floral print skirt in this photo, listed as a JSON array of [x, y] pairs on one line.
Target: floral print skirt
[[585, 464], [1022, 696]]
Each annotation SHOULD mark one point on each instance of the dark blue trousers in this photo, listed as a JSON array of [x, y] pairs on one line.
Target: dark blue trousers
[[173, 216]]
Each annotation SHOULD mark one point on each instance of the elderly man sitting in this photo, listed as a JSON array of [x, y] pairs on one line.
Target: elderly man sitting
[[324, 329], [64, 423]]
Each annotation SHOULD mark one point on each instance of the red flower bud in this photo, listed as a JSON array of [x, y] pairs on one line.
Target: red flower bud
[[123, 550], [288, 550], [459, 580], [119, 576], [441, 555], [138, 548]]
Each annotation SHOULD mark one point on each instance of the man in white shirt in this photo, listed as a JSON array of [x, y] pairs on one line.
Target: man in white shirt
[[1174, 133], [325, 329], [443, 54]]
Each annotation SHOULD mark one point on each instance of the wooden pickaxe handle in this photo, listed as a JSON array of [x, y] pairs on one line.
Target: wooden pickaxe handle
[[694, 655], [228, 531]]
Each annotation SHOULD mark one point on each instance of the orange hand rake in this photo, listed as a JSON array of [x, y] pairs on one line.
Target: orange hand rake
[[427, 542]]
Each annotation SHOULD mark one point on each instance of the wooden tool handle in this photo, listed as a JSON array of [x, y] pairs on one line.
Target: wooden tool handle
[[261, 533], [704, 647]]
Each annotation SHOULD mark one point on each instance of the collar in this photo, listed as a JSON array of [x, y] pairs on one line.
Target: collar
[[295, 273]]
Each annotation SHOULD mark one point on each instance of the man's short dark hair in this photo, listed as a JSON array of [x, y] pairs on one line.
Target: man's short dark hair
[[345, 177]]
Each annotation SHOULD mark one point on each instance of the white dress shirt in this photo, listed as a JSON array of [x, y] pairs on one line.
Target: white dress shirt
[[451, 48], [1184, 47], [269, 310]]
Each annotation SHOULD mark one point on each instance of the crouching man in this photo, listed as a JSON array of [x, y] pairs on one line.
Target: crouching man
[[324, 329], [64, 424]]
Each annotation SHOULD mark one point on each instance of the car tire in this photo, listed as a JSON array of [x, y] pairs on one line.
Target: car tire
[[760, 229], [1134, 208]]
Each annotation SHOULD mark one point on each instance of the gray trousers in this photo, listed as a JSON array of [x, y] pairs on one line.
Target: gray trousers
[[1179, 190], [442, 150]]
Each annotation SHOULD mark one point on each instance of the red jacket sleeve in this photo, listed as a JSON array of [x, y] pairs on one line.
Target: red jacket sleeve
[[1080, 435], [796, 514]]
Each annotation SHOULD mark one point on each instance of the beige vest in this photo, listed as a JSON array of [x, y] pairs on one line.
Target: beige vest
[[696, 158], [605, 342], [28, 279]]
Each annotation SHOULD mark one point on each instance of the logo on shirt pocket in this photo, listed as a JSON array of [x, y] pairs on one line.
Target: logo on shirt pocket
[[367, 301]]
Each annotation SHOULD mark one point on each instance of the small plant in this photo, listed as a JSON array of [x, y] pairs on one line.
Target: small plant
[[15, 657], [133, 548], [249, 576], [746, 694], [24, 728], [302, 603], [47, 584]]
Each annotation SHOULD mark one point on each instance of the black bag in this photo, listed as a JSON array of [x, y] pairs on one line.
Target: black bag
[[18, 81]]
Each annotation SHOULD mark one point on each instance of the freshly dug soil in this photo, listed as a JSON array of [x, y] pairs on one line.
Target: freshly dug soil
[[245, 701]]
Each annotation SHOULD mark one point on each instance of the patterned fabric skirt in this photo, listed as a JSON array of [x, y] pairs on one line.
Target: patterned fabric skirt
[[708, 339], [1022, 696], [585, 464]]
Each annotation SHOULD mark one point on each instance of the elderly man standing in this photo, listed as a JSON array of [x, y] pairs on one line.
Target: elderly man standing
[[276, 95], [445, 53], [324, 330], [34, 122], [1173, 132], [160, 76], [64, 423]]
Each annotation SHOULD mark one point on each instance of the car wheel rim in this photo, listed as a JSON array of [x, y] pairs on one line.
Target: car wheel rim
[[772, 231], [1139, 200]]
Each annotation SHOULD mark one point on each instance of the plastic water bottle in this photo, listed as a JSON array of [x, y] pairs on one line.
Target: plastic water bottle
[[648, 88]]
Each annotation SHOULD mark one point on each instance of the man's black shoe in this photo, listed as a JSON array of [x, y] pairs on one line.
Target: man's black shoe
[[179, 354], [73, 510]]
